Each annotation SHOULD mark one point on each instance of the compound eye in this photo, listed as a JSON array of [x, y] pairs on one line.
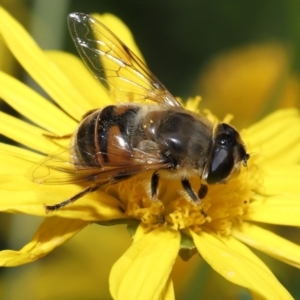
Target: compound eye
[[225, 139], [221, 165]]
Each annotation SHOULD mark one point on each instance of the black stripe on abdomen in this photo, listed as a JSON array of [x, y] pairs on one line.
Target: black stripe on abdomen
[[101, 126], [121, 117], [85, 141]]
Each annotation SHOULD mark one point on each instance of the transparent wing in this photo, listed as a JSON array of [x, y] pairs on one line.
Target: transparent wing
[[114, 64], [60, 169]]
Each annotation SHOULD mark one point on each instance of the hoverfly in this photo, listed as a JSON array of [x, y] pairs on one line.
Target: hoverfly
[[151, 131]]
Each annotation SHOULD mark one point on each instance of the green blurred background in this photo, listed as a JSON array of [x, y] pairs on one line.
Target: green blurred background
[[184, 43]]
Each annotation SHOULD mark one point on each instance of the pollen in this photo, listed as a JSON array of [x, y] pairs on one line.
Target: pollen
[[224, 205]]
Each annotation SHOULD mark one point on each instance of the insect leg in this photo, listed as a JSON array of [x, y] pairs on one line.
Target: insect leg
[[154, 185], [187, 187], [57, 137], [77, 196], [202, 191]]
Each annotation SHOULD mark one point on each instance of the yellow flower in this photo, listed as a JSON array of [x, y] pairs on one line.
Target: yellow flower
[[267, 191], [256, 79]]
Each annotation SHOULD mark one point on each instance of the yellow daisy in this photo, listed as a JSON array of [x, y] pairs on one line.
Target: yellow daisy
[[267, 191]]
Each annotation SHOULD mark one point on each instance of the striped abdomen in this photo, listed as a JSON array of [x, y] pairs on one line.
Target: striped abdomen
[[104, 137]]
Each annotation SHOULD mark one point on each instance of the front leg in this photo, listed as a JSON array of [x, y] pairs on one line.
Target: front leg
[[187, 187], [202, 191], [154, 185], [197, 200]]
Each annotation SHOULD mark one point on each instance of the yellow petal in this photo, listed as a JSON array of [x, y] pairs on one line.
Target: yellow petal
[[126, 76], [252, 79], [271, 124], [121, 31], [144, 269], [19, 194], [276, 138], [281, 210], [73, 67], [235, 262], [52, 233], [17, 157], [26, 134], [279, 179], [168, 291], [269, 243], [40, 68], [96, 206], [34, 107], [30, 198]]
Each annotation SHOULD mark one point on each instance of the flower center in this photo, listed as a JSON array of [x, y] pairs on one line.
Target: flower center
[[225, 204]]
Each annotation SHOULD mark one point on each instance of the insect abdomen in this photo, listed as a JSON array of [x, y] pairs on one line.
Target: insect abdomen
[[103, 137]]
